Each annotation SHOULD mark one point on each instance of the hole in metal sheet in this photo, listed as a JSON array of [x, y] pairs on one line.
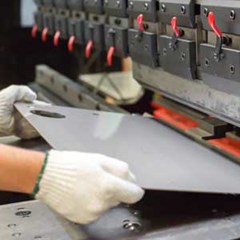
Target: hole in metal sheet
[[47, 114], [16, 234], [133, 226], [95, 18], [118, 21], [12, 225], [77, 15]]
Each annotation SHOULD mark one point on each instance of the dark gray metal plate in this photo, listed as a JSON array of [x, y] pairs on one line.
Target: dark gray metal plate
[[119, 39], [143, 47], [227, 68], [181, 60], [95, 32], [161, 158]]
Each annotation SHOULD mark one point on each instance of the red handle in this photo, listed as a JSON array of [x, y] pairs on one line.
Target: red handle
[[34, 31], [88, 49], [56, 38], [175, 26], [71, 43], [44, 34], [212, 24], [140, 22], [110, 56]]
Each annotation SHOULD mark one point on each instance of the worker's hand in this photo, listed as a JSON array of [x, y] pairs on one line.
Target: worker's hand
[[11, 123], [82, 186]]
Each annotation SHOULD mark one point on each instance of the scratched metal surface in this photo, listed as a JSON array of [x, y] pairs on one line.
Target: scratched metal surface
[[161, 158]]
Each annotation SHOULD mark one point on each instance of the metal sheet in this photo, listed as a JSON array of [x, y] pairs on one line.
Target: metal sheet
[[161, 158]]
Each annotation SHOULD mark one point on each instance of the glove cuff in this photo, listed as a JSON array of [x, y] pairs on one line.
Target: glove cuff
[[37, 185], [56, 180]]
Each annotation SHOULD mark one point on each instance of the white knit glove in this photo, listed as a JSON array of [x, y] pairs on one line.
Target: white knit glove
[[82, 186], [11, 124]]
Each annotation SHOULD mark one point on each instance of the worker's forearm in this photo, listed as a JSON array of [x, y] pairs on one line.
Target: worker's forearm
[[19, 169]]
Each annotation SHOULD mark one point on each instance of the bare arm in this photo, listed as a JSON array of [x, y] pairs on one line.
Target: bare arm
[[19, 169]]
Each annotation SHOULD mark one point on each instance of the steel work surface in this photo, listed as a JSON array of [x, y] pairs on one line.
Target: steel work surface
[[161, 158], [160, 215]]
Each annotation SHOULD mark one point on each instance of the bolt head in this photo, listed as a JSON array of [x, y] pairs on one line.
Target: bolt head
[[205, 12], [183, 10], [131, 5], [232, 15], [163, 7], [146, 6]]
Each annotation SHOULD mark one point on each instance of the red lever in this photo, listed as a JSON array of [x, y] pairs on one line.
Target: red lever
[[34, 31], [140, 22], [71, 43], [56, 38], [88, 49], [110, 56], [44, 34], [212, 24], [175, 26]]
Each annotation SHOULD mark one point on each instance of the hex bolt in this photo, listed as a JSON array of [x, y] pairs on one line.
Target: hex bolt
[[232, 68], [163, 7], [232, 15], [205, 12], [118, 4], [183, 10], [146, 6]]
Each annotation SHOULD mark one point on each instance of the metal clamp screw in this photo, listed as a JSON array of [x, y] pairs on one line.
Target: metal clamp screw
[[163, 7], [183, 55], [183, 10], [205, 12], [232, 15], [232, 68], [206, 62], [146, 6], [164, 52], [131, 5]]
